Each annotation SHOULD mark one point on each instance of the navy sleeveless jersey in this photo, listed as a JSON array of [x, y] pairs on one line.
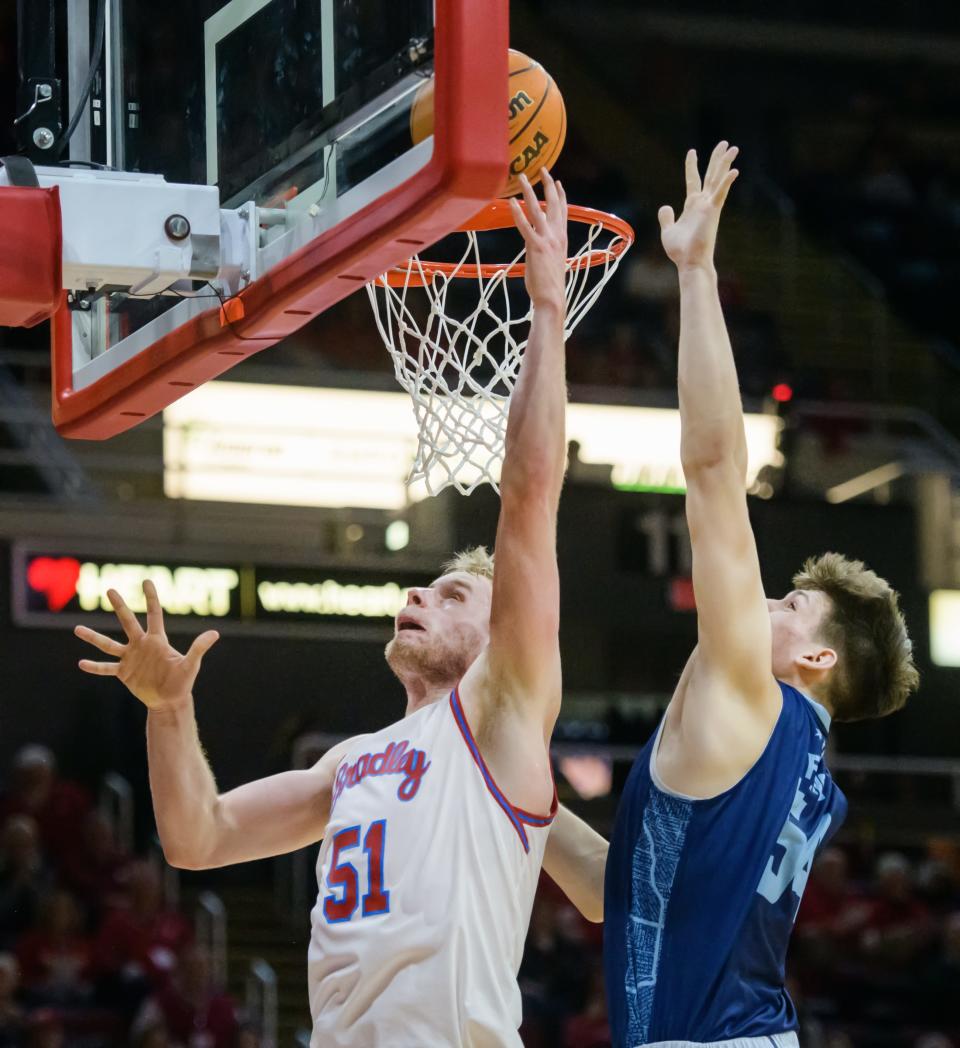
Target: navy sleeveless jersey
[[701, 895]]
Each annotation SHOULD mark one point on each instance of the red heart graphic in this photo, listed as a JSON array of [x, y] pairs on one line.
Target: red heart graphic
[[56, 578]]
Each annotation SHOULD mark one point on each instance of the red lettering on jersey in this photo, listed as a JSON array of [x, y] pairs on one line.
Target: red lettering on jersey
[[415, 766], [396, 759]]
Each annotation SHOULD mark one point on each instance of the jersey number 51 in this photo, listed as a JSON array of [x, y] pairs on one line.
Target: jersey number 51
[[343, 880]]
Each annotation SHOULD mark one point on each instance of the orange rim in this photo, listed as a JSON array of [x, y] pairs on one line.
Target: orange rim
[[497, 215]]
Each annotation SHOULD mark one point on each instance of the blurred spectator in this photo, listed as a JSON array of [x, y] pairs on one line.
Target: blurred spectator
[[552, 977], [24, 878], [580, 472], [58, 805], [623, 357], [941, 980], [97, 867], [889, 197], [248, 1036], [650, 276], [833, 911], [589, 1028], [56, 958], [45, 1029], [197, 1013], [650, 283], [12, 1018], [154, 1036], [937, 884], [899, 928], [137, 946]]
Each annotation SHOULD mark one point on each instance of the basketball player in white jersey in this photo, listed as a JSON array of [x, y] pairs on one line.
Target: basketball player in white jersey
[[434, 828]]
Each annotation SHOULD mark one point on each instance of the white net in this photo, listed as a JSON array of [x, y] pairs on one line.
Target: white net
[[457, 337]]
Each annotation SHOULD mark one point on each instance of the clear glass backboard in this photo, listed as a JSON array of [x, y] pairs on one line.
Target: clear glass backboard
[[298, 112], [254, 96]]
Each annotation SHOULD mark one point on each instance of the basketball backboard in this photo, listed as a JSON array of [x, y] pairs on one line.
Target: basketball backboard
[[298, 112], [254, 96]]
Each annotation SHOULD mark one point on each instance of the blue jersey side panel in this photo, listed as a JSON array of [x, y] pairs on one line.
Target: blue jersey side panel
[[701, 895]]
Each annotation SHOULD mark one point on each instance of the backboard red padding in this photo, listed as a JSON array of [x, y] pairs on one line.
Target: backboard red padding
[[31, 285], [467, 170]]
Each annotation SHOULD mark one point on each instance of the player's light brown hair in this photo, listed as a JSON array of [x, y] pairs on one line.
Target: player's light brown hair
[[874, 674], [475, 560]]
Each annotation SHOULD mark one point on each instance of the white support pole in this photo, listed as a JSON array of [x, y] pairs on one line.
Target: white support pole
[[78, 64], [211, 929], [262, 1001], [116, 802]]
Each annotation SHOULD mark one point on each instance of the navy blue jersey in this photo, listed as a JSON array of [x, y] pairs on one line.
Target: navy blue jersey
[[701, 895]]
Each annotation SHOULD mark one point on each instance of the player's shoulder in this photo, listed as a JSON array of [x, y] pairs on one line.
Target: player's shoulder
[[341, 749]]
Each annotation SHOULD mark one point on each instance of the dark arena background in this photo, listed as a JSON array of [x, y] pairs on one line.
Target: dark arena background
[[839, 262]]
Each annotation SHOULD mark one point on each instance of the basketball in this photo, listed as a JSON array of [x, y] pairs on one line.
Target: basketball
[[538, 120]]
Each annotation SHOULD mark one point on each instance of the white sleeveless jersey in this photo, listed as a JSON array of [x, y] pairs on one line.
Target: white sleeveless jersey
[[427, 875]]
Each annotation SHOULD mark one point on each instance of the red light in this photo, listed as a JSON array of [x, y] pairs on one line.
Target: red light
[[782, 392]]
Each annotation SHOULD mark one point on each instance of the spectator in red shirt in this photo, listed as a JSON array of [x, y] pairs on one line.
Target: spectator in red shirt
[[138, 945], [195, 1012], [833, 911], [899, 928], [24, 877], [58, 805], [832, 916], [56, 958], [97, 868]]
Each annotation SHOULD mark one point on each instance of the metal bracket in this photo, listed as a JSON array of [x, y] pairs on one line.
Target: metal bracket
[[43, 92], [39, 125], [239, 239]]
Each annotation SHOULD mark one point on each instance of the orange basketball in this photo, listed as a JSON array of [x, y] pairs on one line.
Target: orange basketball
[[538, 120]]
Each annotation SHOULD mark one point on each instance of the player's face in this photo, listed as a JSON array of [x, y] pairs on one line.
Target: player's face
[[442, 629], [795, 626]]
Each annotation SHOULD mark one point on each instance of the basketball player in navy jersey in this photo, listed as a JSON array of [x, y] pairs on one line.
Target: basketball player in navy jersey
[[434, 827], [727, 805]]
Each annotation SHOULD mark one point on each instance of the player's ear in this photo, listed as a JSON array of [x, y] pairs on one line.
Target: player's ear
[[816, 660]]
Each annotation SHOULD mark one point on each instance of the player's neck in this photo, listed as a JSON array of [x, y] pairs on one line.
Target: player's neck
[[807, 687], [420, 693]]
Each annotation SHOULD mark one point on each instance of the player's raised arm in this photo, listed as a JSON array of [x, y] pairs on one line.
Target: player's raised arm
[[733, 620], [576, 859], [198, 827], [523, 657]]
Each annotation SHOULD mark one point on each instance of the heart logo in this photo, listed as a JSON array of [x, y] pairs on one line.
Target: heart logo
[[56, 578]]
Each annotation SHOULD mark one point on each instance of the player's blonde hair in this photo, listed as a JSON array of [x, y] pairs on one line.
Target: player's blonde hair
[[875, 673], [475, 560]]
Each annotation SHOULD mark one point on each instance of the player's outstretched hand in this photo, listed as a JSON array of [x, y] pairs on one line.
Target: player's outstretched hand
[[156, 673], [689, 240], [545, 234]]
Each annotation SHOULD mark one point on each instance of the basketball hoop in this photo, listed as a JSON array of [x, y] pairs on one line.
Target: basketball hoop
[[460, 373]]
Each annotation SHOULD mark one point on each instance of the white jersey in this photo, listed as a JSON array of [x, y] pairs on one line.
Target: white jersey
[[427, 876]]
